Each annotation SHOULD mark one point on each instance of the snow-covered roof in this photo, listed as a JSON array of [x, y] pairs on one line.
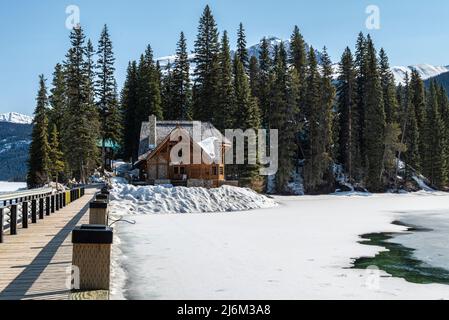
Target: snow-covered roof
[[210, 135]]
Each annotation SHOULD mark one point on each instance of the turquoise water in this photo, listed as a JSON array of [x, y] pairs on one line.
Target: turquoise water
[[418, 256]]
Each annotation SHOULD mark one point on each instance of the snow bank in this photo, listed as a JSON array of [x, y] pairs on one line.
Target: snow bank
[[167, 199]]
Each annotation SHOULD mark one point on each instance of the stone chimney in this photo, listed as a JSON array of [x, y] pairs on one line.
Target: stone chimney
[[152, 135]]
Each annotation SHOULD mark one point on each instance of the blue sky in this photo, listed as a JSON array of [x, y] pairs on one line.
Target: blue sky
[[34, 37]]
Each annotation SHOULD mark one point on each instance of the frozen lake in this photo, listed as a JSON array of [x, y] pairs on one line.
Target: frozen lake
[[11, 186], [302, 249]]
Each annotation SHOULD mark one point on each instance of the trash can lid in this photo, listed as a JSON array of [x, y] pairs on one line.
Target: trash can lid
[[92, 234], [98, 205]]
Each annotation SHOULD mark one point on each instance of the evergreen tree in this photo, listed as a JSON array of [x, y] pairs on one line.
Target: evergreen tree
[[298, 59], [327, 101], [167, 93], [410, 97], [242, 51], [388, 88], [246, 116], [105, 89], [284, 92], [263, 92], [129, 106], [149, 91], [254, 76], [181, 82], [348, 138], [320, 96], [57, 98], [434, 165], [444, 111], [81, 125], [418, 101], [361, 74], [226, 102], [374, 128], [38, 163], [205, 96], [56, 157]]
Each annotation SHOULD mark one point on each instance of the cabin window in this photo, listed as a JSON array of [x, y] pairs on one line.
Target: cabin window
[[176, 170], [183, 170], [214, 171]]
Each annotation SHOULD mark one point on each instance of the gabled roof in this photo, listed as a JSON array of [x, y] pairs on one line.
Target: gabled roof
[[210, 150], [164, 128]]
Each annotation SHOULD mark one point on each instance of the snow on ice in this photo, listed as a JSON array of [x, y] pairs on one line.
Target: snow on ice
[[301, 249]]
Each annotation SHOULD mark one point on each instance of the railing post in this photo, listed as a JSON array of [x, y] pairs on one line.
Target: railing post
[[1, 225], [25, 215], [56, 202], [41, 208], [47, 206], [13, 220], [52, 203], [33, 211]]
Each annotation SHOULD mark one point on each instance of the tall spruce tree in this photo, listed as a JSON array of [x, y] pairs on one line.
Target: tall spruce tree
[[105, 89], [246, 116], [320, 96], [129, 107], [39, 161], [254, 76], [411, 96], [263, 92], [81, 125], [444, 111], [418, 101], [150, 101], [361, 80], [182, 93], [374, 124], [434, 165], [242, 51], [348, 138], [57, 98], [206, 73], [226, 102], [284, 92], [298, 59], [167, 93], [388, 88]]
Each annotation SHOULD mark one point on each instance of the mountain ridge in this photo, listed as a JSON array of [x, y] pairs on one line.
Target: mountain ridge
[[15, 117]]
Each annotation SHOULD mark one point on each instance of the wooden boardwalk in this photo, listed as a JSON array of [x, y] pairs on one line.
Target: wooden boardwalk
[[36, 263]]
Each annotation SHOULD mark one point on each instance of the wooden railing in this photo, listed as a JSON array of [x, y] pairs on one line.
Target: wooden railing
[[32, 205]]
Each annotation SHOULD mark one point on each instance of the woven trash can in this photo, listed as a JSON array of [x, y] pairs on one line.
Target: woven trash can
[[98, 212], [92, 256]]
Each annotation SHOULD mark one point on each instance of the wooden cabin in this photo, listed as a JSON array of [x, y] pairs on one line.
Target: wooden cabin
[[157, 140]]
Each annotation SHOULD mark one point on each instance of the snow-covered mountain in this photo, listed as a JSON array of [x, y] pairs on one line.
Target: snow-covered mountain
[[426, 71], [14, 117]]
